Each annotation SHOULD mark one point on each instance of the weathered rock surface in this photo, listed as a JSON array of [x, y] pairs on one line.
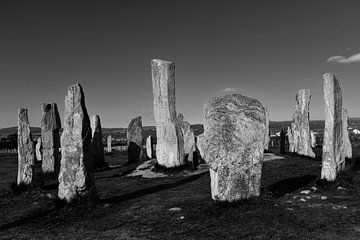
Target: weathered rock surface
[[170, 142], [267, 131], [189, 137], [134, 140], [149, 147], [97, 145], [333, 159], [282, 140], [299, 137], [38, 149], [25, 149], [50, 138], [233, 146], [75, 177], [108, 140], [347, 148]]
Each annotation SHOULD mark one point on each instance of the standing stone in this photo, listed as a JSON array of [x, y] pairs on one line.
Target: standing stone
[[25, 149], [134, 140], [75, 177], [233, 146], [50, 138], [108, 140], [97, 145], [189, 137], [149, 147], [38, 149], [333, 160], [267, 131], [347, 149], [313, 139], [282, 140], [300, 141], [170, 142]]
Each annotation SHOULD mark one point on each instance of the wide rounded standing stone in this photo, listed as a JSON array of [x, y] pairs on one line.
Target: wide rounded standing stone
[[75, 177], [134, 140], [170, 142], [26, 153], [233, 146]]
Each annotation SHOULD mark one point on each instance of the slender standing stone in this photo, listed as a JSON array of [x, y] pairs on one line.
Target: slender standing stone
[[25, 149], [313, 139], [189, 137], [300, 141], [50, 138], [333, 160], [233, 146], [134, 140], [282, 141], [75, 177], [267, 131], [38, 149], [108, 140], [170, 142], [149, 147], [347, 151], [97, 145]]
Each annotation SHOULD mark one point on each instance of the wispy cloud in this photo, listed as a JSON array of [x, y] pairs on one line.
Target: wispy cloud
[[229, 90], [341, 59]]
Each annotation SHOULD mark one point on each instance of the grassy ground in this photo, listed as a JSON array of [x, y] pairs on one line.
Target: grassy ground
[[138, 208]]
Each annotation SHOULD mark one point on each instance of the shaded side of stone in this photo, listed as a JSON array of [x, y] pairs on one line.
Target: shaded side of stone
[[97, 145]]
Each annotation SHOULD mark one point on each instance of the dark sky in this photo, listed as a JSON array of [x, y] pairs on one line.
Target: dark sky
[[262, 49]]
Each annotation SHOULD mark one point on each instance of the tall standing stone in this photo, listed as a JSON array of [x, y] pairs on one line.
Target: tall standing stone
[[97, 145], [25, 149], [299, 138], [38, 149], [282, 140], [267, 131], [347, 148], [233, 146], [149, 147], [134, 140], [75, 177], [189, 137], [50, 138], [108, 141], [170, 142], [333, 159]]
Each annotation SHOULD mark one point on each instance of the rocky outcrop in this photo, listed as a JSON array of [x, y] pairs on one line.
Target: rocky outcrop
[[170, 142], [233, 146], [50, 138], [333, 159], [97, 145], [299, 135], [75, 177], [134, 140], [25, 149]]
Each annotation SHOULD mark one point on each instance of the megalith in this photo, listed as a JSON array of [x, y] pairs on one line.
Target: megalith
[[282, 140], [333, 159], [50, 138], [149, 147], [75, 177], [26, 153], [97, 144], [134, 140], [313, 139], [108, 141], [38, 149], [170, 142], [347, 148], [233, 146], [299, 137], [189, 137], [267, 131]]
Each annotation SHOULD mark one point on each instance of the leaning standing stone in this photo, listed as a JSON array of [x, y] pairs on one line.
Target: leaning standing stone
[[134, 140], [233, 146], [98, 148], [38, 149], [333, 160], [189, 137], [347, 149], [50, 138], [300, 141], [25, 149], [75, 177], [170, 142], [109, 139]]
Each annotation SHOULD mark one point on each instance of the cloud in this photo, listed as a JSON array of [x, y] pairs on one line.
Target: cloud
[[344, 60], [229, 90]]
